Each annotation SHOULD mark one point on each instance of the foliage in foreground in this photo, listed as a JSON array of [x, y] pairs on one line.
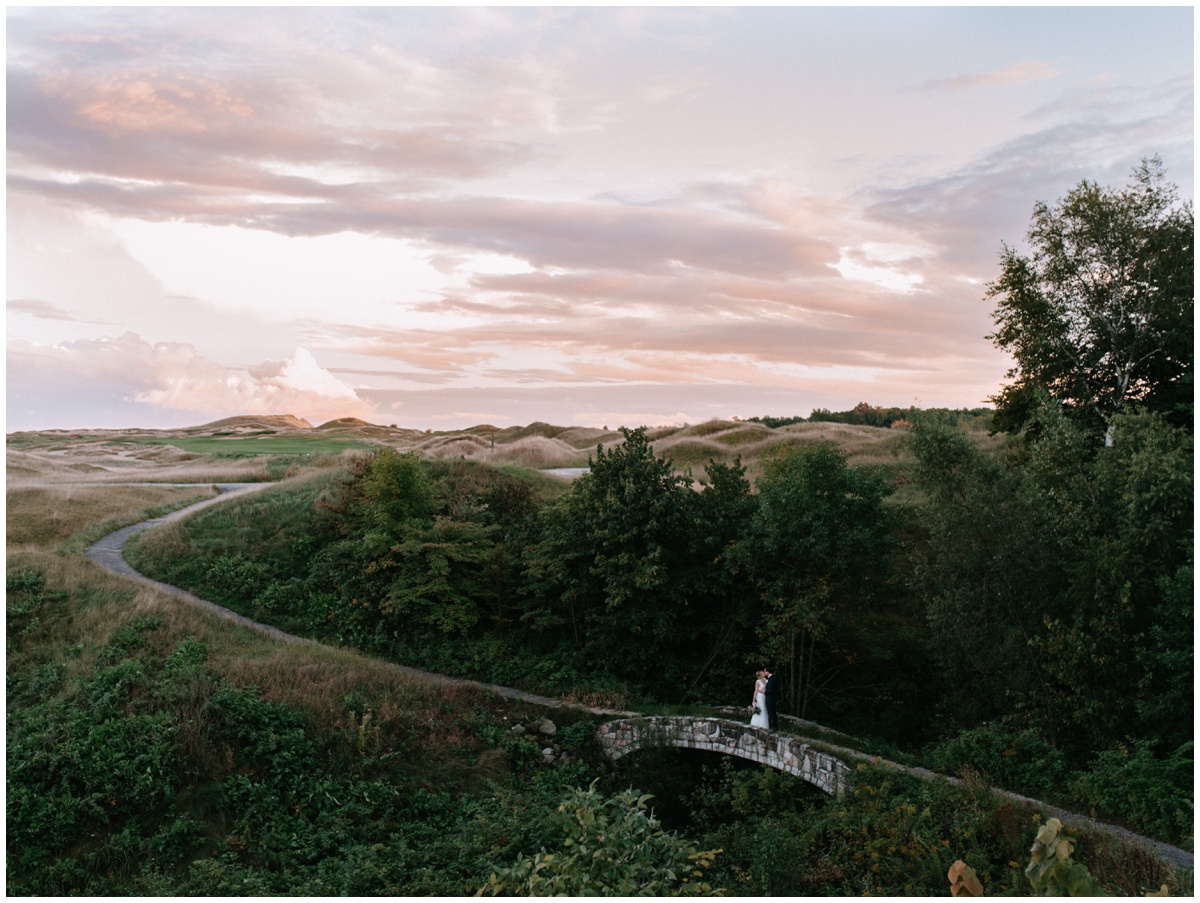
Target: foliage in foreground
[[612, 847], [152, 775], [892, 835]]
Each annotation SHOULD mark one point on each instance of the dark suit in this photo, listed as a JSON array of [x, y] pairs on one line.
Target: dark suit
[[769, 700]]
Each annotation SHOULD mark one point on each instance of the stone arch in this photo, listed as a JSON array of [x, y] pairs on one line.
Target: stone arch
[[732, 738]]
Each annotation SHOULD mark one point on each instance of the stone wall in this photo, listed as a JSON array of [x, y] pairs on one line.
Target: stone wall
[[732, 738]]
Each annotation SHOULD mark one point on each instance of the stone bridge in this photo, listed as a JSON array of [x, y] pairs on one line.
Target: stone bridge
[[719, 735]]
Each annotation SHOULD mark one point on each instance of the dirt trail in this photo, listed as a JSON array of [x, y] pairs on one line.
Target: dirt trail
[[107, 553]]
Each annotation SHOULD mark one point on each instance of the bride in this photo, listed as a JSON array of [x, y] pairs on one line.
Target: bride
[[758, 704]]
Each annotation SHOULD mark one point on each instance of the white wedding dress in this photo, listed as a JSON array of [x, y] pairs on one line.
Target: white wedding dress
[[760, 706]]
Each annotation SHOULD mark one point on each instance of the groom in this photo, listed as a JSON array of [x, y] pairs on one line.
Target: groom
[[769, 697]]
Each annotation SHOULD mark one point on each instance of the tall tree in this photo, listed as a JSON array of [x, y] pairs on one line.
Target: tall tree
[[722, 617], [611, 556], [989, 569], [1099, 314], [817, 541], [1058, 584], [1120, 644]]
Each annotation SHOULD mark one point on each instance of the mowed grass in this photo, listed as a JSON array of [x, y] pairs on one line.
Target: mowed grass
[[238, 447]]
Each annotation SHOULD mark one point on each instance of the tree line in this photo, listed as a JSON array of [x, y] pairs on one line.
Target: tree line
[[865, 414]]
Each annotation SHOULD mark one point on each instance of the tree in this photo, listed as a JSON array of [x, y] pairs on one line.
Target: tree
[[440, 576], [722, 619], [1120, 644], [818, 539], [611, 557], [1100, 313], [989, 568], [1059, 585], [388, 493]]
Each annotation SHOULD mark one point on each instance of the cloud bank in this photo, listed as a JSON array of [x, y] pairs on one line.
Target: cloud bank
[[543, 204]]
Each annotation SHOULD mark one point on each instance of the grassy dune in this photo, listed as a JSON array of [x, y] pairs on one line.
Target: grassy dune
[[259, 448], [46, 516]]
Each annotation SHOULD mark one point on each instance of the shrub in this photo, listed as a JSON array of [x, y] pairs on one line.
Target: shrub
[[1005, 756], [612, 847], [1154, 795], [898, 835]]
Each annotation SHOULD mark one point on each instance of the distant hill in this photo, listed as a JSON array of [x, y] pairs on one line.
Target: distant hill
[[539, 445], [344, 423], [251, 423]]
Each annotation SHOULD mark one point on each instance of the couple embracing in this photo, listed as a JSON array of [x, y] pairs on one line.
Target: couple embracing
[[763, 704]]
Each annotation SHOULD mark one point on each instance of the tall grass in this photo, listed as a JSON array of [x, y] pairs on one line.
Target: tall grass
[[44, 516], [537, 453], [57, 461], [334, 688]]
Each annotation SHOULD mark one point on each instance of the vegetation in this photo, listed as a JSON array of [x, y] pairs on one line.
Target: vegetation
[[1015, 610], [238, 446], [1100, 315], [612, 848], [632, 586], [865, 414]]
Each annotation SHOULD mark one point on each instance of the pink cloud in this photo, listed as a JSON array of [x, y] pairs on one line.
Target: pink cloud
[[1018, 73], [170, 376]]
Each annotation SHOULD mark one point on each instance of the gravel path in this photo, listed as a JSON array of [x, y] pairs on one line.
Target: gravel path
[[107, 553]]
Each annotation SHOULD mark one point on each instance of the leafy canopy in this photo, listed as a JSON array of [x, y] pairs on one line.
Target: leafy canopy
[[1099, 314]]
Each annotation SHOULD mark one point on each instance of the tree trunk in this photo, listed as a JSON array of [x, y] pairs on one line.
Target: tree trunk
[[1124, 387], [812, 642], [722, 636], [794, 673]]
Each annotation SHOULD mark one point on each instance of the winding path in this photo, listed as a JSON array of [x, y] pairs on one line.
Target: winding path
[[107, 553]]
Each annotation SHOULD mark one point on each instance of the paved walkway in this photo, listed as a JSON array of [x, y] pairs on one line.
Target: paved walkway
[[107, 554]]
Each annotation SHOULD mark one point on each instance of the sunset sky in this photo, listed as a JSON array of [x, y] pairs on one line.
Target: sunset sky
[[441, 217]]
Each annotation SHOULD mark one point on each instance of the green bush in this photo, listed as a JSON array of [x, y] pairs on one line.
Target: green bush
[[153, 776], [232, 576], [87, 777], [1154, 795], [1005, 756], [612, 847]]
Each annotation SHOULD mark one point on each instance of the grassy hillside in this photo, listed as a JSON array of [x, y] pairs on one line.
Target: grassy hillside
[[157, 749]]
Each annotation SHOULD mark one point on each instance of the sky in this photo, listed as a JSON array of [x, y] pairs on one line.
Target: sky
[[440, 217]]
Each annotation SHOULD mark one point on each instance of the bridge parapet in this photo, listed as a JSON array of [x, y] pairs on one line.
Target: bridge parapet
[[732, 738]]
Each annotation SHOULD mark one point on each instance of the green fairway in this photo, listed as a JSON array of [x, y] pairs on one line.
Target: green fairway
[[259, 445]]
